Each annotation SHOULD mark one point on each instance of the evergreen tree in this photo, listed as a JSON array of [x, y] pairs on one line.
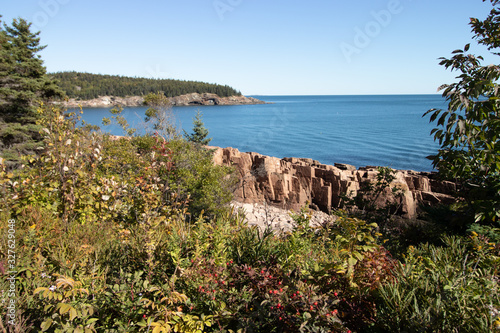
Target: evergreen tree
[[23, 83], [200, 132]]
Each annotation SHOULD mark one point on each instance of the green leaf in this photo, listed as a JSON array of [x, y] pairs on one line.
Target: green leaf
[[358, 255], [72, 314], [91, 321], [46, 324], [64, 307], [352, 261], [39, 289]]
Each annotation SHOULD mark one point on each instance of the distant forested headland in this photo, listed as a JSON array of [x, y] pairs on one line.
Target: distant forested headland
[[87, 86]]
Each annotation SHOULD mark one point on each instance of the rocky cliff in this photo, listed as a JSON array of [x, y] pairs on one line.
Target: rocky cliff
[[183, 100], [290, 183], [212, 99]]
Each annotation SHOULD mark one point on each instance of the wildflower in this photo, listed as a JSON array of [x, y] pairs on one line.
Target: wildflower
[[52, 288], [44, 275]]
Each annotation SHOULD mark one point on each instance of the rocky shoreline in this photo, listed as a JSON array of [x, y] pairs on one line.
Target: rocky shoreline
[[183, 100], [292, 183]]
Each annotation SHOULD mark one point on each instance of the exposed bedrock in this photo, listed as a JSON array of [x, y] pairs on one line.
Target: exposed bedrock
[[290, 183]]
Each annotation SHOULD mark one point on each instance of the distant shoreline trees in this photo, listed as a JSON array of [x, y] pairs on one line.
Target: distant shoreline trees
[[87, 86]]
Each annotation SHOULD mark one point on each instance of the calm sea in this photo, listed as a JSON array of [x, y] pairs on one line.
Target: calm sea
[[363, 130]]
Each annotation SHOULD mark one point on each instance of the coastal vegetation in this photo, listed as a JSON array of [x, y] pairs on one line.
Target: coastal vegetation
[[87, 86], [134, 234]]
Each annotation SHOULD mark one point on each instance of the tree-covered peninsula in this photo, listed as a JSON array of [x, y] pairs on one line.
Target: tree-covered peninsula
[[87, 86]]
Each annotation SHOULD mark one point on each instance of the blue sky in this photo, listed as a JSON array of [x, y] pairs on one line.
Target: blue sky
[[261, 47]]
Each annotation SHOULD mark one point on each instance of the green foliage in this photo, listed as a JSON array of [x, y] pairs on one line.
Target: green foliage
[[195, 178], [23, 83], [119, 120], [200, 133], [160, 115], [66, 306], [453, 288], [88, 86], [370, 201], [468, 130]]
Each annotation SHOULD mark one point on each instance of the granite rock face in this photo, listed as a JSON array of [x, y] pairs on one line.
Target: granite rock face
[[104, 101], [290, 183], [183, 100], [212, 99]]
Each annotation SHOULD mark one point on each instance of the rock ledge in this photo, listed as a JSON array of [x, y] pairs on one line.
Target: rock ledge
[[183, 100], [291, 183]]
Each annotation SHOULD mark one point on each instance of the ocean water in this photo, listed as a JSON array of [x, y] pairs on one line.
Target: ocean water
[[381, 130]]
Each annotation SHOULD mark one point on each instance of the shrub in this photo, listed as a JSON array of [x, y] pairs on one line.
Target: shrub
[[443, 289]]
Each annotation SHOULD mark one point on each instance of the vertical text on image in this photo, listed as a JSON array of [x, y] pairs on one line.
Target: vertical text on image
[[11, 273]]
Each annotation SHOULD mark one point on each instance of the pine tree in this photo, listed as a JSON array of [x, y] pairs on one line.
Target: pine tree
[[200, 132], [23, 83]]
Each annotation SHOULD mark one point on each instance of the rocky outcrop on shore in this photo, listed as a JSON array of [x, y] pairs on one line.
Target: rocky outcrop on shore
[[290, 183], [104, 102], [266, 216], [183, 100], [212, 99]]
